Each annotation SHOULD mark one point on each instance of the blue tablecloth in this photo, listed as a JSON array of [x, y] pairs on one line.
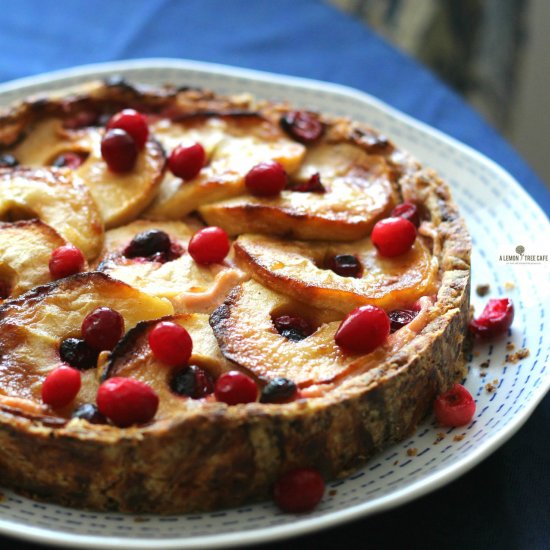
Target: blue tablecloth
[[505, 501]]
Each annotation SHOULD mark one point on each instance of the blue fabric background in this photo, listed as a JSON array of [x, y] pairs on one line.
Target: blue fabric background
[[504, 502]]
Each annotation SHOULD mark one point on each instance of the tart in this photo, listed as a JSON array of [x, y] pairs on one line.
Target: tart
[[339, 224]]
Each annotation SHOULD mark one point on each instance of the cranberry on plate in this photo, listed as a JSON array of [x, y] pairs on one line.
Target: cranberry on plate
[[209, 245], [393, 236], [65, 260], [266, 179], [455, 407], [119, 150], [125, 401], [61, 386], [186, 161], [133, 123], [363, 330], [299, 490], [103, 328], [170, 343], [495, 320], [235, 387]]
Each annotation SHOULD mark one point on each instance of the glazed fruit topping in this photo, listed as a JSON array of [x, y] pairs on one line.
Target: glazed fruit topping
[[133, 123], [234, 387], [495, 320], [299, 490], [170, 343], [82, 119], [193, 382], [209, 245], [293, 327], [312, 185], [69, 159], [401, 317], [66, 260], [186, 161], [125, 401], [279, 390], [61, 386], [345, 265], [455, 407], [407, 210], [103, 328], [119, 150], [363, 330], [302, 126], [89, 412], [78, 354], [147, 244], [393, 236], [266, 179], [8, 161]]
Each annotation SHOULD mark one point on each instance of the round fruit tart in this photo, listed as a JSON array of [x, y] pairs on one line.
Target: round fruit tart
[[206, 300]]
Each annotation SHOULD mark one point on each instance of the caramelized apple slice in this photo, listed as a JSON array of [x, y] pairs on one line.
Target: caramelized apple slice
[[233, 146], [54, 196], [358, 192], [25, 250], [33, 326], [120, 197], [296, 269], [189, 286], [133, 358]]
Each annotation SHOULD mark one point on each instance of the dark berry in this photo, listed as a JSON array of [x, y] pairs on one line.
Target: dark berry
[[293, 327], [193, 382], [266, 179], [103, 328], [393, 236], [119, 150], [407, 210], [209, 245], [278, 390], [8, 161], [186, 161], [78, 354], [345, 265], [302, 126], [363, 330], [455, 407], [401, 317], [148, 243], [133, 123], [312, 185], [91, 413], [69, 159]]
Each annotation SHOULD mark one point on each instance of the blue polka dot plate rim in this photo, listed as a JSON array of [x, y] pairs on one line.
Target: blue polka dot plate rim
[[506, 385]]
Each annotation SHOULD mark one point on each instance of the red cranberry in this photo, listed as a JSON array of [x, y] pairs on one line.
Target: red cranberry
[[78, 354], [407, 210], [170, 343], [61, 386], [8, 161], [193, 382], [148, 243], [279, 390], [89, 412], [103, 328], [495, 319], [266, 179], [119, 150], [125, 401], [393, 236], [70, 159], [401, 317], [234, 387], [66, 260], [363, 330], [209, 245], [455, 407], [292, 327], [186, 161], [133, 123], [299, 490], [312, 185], [302, 126], [345, 265]]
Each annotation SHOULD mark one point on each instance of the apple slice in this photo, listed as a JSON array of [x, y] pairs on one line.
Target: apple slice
[[297, 270], [233, 146], [189, 286], [54, 196], [358, 192], [25, 250], [133, 358], [33, 325], [120, 197]]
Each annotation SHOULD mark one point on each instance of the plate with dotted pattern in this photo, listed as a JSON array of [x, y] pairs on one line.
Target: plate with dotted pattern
[[506, 385]]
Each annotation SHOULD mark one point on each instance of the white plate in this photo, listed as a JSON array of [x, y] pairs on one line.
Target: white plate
[[500, 216]]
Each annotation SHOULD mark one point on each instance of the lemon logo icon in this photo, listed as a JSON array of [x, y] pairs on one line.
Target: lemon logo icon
[[520, 249]]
